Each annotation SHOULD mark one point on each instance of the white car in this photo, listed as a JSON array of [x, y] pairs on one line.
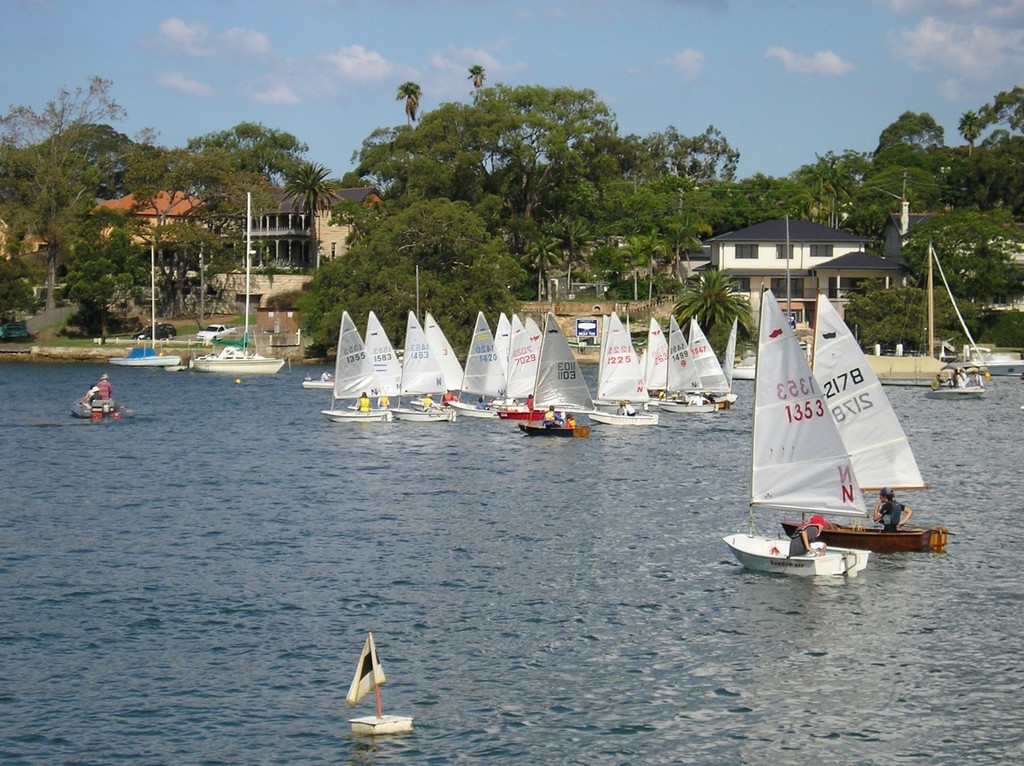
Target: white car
[[215, 332]]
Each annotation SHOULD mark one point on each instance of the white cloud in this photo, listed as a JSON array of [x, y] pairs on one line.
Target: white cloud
[[277, 94], [181, 83], [354, 62], [972, 50], [175, 36], [688, 63], [248, 40], [822, 62], [978, 11]]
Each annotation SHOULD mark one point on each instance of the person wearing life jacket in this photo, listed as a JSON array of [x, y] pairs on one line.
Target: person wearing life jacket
[[383, 402], [364, 403], [889, 513], [570, 421], [804, 539], [428, 402], [551, 418], [448, 398]]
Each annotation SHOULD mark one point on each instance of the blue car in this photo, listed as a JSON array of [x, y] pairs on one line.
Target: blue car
[[14, 331]]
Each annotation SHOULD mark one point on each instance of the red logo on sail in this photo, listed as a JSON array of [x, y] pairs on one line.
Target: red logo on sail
[[775, 333]]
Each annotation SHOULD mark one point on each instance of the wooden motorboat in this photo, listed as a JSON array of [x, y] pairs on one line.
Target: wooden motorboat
[[536, 429], [878, 540]]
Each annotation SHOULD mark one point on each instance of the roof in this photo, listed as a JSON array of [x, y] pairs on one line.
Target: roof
[[357, 194], [799, 231], [176, 206], [859, 261]]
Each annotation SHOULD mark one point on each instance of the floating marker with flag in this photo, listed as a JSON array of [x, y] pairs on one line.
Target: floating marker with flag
[[370, 675]]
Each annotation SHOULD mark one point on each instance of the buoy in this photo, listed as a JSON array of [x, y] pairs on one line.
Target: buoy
[[238, 381]]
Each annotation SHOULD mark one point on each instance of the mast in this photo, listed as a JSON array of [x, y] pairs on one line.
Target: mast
[[152, 296], [931, 307], [248, 257]]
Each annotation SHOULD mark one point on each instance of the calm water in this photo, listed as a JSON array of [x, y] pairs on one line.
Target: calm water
[[194, 587]]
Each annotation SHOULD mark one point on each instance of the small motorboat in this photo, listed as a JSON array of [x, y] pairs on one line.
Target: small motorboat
[[878, 540], [538, 429], [100, 409]]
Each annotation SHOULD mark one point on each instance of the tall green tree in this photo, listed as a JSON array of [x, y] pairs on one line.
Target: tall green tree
[[409, 92], [312, 187], [713, 299], [477, 75], [970, 128], [254, 148], [50, 185], [542, 255], [15, 288]]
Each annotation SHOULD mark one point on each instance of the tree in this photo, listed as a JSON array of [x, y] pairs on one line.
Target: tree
[[920, 131], [314, 191], [477, 75], [253, 148], [409, 92], [970, 128], [463, 269], [50, 183], [15, 288], [699, 159], [899, 316], [542, 255], [712, 299]]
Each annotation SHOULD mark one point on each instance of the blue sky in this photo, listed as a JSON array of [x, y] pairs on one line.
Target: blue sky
[[783, 80]]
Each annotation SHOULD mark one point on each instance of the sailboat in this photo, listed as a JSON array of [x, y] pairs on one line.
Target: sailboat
[[385, 360], [713, 379], [798, 460], [523, 357], [559, 383], [445, 354], [237, 360], [874, 439], [951, 382], [421, 375], [655, 360], [147, 356], [370, 675], [683, 379], [353, 376], [620, 379], [483, 377]]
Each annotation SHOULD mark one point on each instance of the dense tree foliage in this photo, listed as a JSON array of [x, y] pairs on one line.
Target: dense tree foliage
[[253, 148], [712, 300]]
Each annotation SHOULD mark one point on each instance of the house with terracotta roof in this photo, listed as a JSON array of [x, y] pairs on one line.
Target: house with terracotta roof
[[798, 260]]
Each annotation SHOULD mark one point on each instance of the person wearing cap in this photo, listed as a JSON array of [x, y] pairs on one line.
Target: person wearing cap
[[804, 539], [888, 512], [105, 390]]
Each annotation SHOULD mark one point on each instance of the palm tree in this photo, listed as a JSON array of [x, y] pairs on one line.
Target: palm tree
[[970, 129], [713, 300], [575, 236], [477, 75], [314, 191], [641, 250], [411, 92], [542, 255]]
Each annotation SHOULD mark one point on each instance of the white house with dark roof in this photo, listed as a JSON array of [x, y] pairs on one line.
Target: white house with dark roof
[[820, 259]]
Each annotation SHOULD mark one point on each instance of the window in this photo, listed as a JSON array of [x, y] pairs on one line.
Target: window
[[780, 252], [796, 287], [742, 284], [746, 251], [821, 251]]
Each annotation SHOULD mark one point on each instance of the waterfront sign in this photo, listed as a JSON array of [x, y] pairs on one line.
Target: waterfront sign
[[586, 328]]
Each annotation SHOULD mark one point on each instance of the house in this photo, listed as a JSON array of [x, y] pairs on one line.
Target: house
[[820, 259]]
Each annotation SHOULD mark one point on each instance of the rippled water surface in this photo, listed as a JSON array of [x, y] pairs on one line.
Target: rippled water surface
[[194, 586]]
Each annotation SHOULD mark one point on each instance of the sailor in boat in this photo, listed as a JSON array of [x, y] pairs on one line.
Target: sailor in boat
[[106, 391], [804, 539], [383, 402], [326, 377], [448, 398], [364, 402], [890, 513], [625, 408], [427, 402], [570, 421], [553, 419]]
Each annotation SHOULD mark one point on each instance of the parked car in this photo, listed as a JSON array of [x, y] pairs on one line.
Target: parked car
[[163, 332], [215, 332], [14, 331]]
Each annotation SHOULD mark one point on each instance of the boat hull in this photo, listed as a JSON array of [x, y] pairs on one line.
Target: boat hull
[[389, 724], [971, 392], [673, 405], [579, 432], [879, 541], [100, 410], [510, 414], [764, 554], [355, 416], [146, 357], [614, 419], [326, 385], [233, 361], [425, 416], [471, 411]]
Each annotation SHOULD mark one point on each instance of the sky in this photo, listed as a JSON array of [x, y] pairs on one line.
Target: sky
[[784, 81]]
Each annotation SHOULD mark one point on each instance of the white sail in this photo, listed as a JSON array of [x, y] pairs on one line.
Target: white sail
[[712, 378], [729, 361], [421, 373], [483, 375], [682, 373], [656, 357], [353, 370], [620, 376], [503, 341], [382, 354], [444, 353], [799, 461], [872, 433], [369, 673], [559, 378], [524, 353]]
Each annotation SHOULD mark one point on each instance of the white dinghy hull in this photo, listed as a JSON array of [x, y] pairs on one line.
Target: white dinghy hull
[[764, 554], [355, 416], [613, 419], [389, 724]]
